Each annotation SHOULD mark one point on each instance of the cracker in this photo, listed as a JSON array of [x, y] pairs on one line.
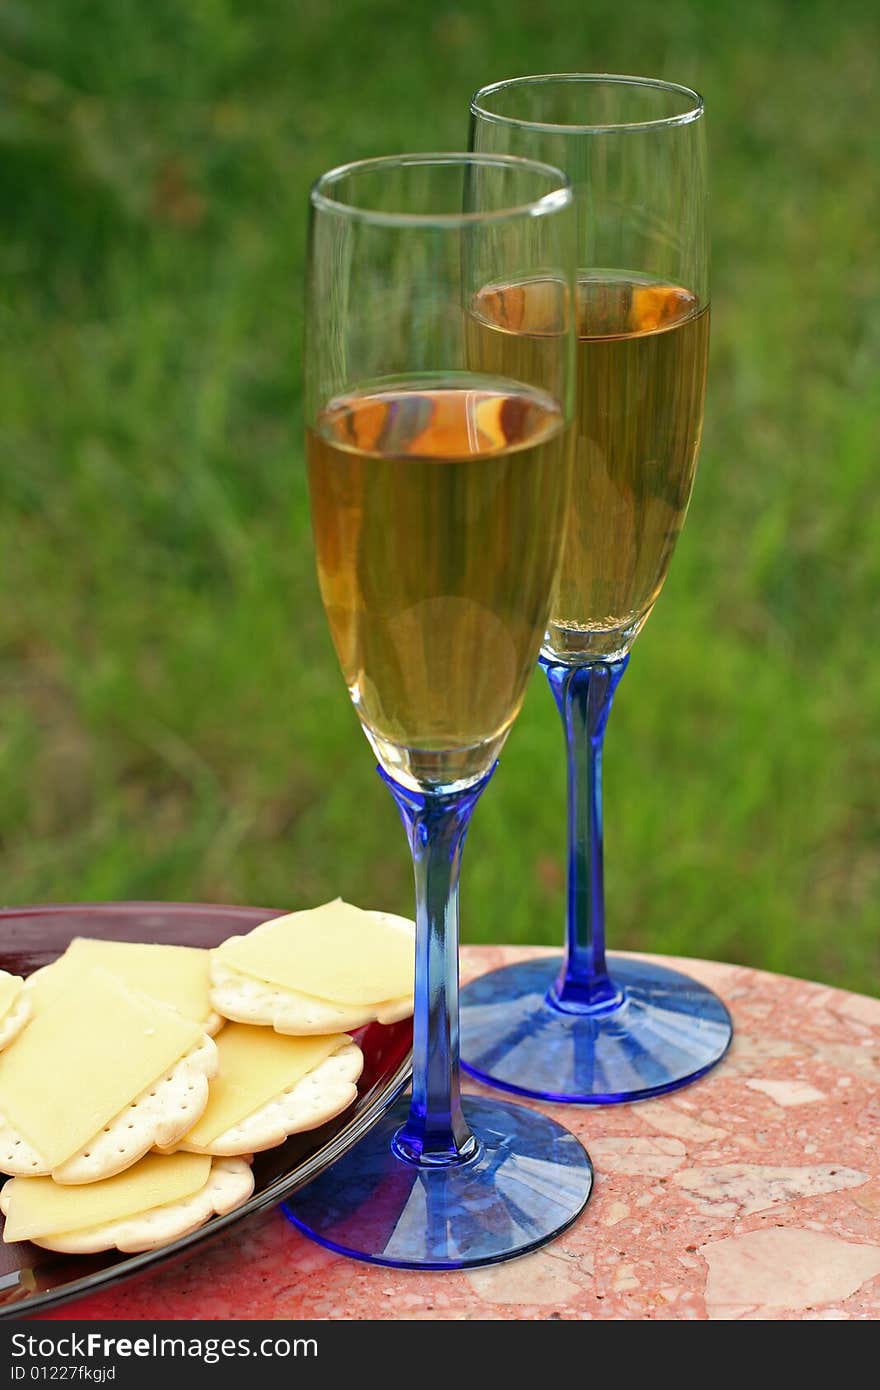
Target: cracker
[[321, 1095], [229, 1184], [245, 999], [160, 1115], [14, 1020]]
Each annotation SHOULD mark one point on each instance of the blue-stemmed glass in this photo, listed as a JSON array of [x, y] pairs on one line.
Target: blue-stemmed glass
[[438, 498], [592, 1028]]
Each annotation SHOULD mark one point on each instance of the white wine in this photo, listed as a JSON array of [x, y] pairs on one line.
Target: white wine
[[438, 510], [641, 379]]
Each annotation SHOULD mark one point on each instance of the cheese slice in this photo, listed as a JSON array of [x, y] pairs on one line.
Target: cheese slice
[[336, 952], [176, 975], [10, 988], [80, 1062], [256, 1064], [40, 1207]]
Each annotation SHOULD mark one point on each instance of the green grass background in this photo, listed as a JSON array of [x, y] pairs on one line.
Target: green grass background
[[172, 720]]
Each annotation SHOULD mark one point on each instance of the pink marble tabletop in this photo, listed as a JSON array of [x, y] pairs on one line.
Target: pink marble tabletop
[[754, 1193]]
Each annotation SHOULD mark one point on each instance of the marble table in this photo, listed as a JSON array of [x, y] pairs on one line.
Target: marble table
[[754, 1193]]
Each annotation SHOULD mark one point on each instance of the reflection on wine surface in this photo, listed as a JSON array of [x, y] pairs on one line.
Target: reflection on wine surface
[[438, 509], [641, 377]]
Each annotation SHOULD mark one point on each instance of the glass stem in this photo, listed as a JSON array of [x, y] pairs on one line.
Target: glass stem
[[584, 695], [436, 1131]]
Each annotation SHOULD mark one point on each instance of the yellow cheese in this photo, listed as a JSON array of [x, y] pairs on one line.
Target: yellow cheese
[[176, 975], [256, 1064], [41, 1207], [10, 986], [80, 1062], [335, 952]]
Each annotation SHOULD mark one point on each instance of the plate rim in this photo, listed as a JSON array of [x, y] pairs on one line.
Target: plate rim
[[283, 1187]]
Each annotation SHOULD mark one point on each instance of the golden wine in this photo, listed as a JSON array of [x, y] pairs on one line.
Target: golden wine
[[438, 511], [641, 381]]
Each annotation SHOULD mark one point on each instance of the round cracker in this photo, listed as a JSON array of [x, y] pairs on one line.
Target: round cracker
[[230, 1182], [160, 1115], [318, 1097], [245, 999]]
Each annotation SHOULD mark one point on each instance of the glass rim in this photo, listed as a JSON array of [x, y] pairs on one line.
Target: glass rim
[[553, 201], [693, 113]]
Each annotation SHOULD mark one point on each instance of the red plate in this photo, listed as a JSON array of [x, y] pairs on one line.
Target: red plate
[[31, 1278]]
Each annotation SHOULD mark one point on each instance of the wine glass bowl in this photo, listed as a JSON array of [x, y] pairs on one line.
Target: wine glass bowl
[[427, 477]]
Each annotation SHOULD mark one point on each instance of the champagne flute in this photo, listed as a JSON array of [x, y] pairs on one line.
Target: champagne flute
[[590, 1028], [438, 500]]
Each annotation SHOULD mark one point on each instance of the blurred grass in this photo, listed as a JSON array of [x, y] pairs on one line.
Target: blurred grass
[[172, 721]]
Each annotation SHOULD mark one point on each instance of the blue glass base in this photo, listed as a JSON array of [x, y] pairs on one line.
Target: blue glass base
[[667, 1031], [528, 1180]]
